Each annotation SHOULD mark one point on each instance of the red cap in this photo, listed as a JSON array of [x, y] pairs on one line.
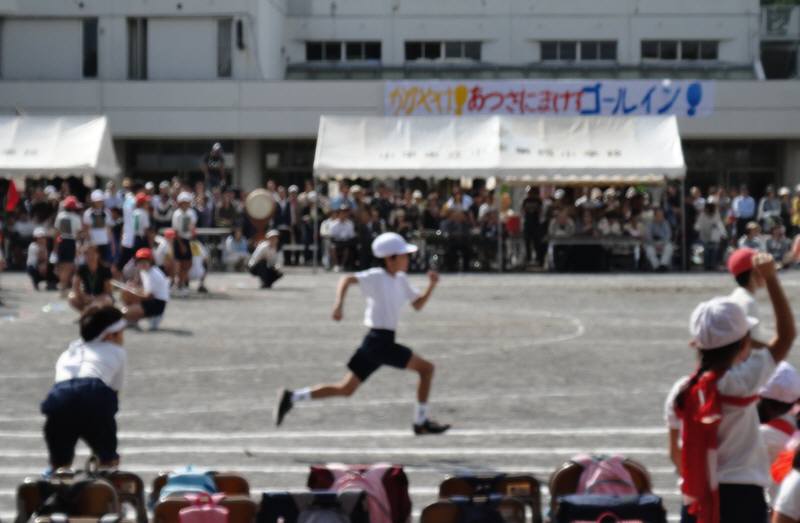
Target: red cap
[[144, 254], [741, 261], [142, 198], [169, 234], [70, 202]]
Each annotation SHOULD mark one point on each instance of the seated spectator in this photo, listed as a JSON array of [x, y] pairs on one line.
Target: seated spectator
[[228, 213], [635, 228], [658, 242], [265, 261], [752, 238], [342, 235], [610, 225], [235, 252], [779, 246], [562, 225], [91, 285], [586, 227], [38, 263], [711, 231]]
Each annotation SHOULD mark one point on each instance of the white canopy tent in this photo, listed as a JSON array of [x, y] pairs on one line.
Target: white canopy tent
[[550, 150], [56, 145]]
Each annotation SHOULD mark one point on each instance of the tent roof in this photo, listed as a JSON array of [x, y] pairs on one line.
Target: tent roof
[[564, 150], [56, 145]]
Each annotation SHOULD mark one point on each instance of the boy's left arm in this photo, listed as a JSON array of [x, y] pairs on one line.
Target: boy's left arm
[[433, 279]]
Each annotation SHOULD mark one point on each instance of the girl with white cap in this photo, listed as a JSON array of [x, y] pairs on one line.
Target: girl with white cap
[[83, 402], [724, 464], [387, 289], [97, 223], [68, 224], [184, 221]]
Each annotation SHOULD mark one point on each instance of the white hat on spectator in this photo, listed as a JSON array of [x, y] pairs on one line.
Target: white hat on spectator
[[39, 232], [417, 194], [719, 322], [784, 191], [783, 385], [97, 196], [312, 196], [185, 197], [50, 189], [293, 189], [559, 194], [163, 185], [273, 233], [356, 188], [149, 186], [391, 244]]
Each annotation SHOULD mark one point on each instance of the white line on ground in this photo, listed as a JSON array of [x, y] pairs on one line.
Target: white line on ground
[[334, 434]]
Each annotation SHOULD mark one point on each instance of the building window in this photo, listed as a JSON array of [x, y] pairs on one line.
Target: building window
[[589, 50], [685, 50], [449, 50], [343, 51], [224, 47], [137, 48], [90, 48]]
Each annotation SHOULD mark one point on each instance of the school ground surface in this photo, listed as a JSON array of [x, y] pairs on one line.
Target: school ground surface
[[531, 369]]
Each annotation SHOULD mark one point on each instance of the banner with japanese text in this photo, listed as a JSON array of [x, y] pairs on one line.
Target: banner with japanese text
[[682, 98]]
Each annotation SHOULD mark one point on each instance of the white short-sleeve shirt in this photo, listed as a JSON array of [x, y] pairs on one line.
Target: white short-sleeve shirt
[[788, 500], [156, 283], [184, 222], [747, 301], [386, 295], [98, 223], [68, 225], [742, 456], [775, 440], [670, 416], [97, 359], [141, 222]]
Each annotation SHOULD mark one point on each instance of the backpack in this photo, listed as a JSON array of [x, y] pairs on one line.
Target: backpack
[[386, 487], [589, 508], [205, 508], [188, 481], [604, 475]]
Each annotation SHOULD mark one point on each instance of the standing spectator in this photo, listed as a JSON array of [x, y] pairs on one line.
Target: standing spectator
[[204, 208], [97, 222], [795, 212], [531, 211], [711, 231], [343, 198], [282, 221], [784, 195], [114, 198], [744, 209], [459, 199], [456, 227], [383, 202], [213, 166], [184, 221], [228, 213], [769, 208], [342, 234], [431, 216], [658, 242], [163, 207]]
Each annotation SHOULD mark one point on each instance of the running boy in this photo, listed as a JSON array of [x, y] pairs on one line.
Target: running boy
[[387, 290], [724, 464]]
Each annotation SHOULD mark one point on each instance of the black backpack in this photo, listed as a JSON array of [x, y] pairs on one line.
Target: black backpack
[[646, 508]]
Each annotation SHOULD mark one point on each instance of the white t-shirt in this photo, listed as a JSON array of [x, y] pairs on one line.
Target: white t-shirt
[[128, 207], [163, 249], [385, 295], [184, 222], [141, 222], [97, 359], [156, 283], [747, 301], [342, 230], [33, 255], [788, 500], [264, 252], [68, 225], [775, 440], [670, 416], [742, 456], [98, 223]]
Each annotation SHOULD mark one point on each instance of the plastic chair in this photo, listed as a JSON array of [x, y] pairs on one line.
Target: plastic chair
[[524, 487], [565, 480], [130, 489], [241, 509]]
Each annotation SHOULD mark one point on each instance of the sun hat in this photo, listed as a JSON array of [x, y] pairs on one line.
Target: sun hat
[[719, 322], [391, 244]]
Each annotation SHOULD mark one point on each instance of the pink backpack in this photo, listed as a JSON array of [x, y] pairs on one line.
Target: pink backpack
[[604, 475], [205, 508]]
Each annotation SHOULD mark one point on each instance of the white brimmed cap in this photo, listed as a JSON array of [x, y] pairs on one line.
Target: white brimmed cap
[[97, 196], [719, 322], [391, 244], [39, 232], [783, 385], [273, 234], [185, 197]]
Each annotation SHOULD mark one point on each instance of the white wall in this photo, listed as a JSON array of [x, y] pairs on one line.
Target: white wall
[[41, 49], [181, 49]]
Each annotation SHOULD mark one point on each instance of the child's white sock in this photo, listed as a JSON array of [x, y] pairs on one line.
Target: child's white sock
[[420, 413], [303, 394]]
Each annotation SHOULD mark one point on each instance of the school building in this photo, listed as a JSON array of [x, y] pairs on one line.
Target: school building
[[173, 76]]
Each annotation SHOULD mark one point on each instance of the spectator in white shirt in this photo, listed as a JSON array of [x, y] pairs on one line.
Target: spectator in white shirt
[[235, 252], [342, 234]]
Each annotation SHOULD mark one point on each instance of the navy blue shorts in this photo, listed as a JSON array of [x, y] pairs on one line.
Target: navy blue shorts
[[66, 251], [182, 249], [80, 408], [378, 348], [153, 307]]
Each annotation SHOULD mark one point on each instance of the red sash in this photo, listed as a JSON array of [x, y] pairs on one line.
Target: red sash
[[782, 425], [701, 415]]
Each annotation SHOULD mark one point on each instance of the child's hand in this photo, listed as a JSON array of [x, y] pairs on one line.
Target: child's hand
[[337, 312], [433, 277], [765, 265]]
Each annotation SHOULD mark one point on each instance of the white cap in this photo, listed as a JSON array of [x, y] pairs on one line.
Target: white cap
[[783, 385], [163, 185], [719, 322], [185, 197], [559, 194], [391, 244], [97, 196], [784, 191], [273, 233], [293, 189], [149, 186], [416, 194], [39, 232]]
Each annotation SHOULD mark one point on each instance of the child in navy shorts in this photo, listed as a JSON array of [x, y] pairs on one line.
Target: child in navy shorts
[[387, 289]]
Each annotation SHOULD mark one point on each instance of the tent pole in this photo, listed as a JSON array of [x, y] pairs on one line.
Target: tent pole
[[684, 254]]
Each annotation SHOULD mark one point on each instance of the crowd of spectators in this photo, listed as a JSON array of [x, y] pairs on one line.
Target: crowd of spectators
[[560, 228]]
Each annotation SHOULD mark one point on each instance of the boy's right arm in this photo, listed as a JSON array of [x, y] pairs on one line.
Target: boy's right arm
[[784, 319], [341, 292]]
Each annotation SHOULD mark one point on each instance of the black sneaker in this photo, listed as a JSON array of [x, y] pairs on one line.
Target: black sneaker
[[282, 406], [202, 289], [430, 427]]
